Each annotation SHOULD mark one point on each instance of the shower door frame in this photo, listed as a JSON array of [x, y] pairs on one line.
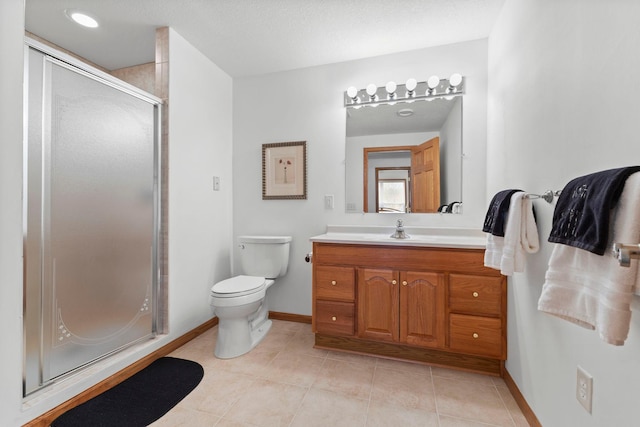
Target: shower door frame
[[32, 311]]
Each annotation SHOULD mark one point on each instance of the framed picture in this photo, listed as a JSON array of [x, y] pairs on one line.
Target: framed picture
[[284, 170]]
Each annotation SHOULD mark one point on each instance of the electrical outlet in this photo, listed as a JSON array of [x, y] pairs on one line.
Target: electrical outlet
[[584, 388]]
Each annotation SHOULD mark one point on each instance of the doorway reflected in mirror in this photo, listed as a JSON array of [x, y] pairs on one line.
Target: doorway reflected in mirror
[[384, 136]]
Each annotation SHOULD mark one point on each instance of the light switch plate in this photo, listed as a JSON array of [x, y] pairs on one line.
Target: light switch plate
[[328, 201]]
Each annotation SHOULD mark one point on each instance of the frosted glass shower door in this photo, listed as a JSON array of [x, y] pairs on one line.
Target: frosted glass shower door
[[91, 216]]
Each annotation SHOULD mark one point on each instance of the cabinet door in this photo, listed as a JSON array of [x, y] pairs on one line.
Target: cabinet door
[[422, 314], [378, 303]]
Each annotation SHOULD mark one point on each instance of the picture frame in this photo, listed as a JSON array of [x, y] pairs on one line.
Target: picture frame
[[284, 170]]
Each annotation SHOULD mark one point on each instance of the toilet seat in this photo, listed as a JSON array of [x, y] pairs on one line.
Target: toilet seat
[[238, 286]]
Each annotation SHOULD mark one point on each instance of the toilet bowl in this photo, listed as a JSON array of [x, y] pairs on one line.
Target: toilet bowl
[[240, 302]]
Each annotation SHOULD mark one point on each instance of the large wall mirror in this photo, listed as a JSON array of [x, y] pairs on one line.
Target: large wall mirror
[[405, 157]]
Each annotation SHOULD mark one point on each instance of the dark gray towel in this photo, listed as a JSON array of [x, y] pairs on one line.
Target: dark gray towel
[[582, 215], [497, 213]]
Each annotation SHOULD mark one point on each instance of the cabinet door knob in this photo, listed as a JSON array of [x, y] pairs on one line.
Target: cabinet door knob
[[393, 282], [334, 318], [404, 283], [475, 335], [475, 294], [333, 282]]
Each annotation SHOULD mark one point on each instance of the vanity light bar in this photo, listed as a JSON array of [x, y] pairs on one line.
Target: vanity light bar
[[411, 91]]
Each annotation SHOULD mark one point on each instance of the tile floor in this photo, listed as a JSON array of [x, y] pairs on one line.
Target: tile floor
[[284, 381]]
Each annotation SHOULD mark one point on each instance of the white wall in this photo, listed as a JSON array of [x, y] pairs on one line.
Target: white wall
[[200, 222], [563, 94], [451, 144], [306, 104], [11, 46], [200, 219]]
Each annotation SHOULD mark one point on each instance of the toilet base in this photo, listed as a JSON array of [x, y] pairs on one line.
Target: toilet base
[[239, 335], [260, 332]]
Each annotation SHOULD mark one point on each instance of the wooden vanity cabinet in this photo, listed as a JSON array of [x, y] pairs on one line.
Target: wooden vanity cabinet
[[334, 300], [435, 305], [476, 313], [401, 306]]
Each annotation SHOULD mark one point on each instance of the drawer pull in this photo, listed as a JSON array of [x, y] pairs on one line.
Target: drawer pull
[[475, 294], [475, 335], [404, 283], [333, 283], [334, 318], [393, 282]]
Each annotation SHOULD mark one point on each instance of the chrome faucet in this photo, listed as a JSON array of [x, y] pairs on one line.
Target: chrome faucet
[[399, 233]]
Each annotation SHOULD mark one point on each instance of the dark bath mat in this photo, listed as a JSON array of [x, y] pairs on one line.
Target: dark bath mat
[[139, 400]]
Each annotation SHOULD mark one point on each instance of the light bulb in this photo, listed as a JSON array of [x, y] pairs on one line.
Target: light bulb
[[371, 91], [411, 85], [391, 87], [455, 79], [433, 82], [352, 92], [391, 91]]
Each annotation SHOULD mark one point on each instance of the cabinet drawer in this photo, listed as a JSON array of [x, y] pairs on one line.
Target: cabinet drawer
[[475, 294], [335, 283], [475, 335], [335, 317]]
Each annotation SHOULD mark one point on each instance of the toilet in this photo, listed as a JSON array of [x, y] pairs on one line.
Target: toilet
[[240, 302]]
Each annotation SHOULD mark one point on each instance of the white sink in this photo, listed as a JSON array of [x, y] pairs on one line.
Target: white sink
[[418, 236]]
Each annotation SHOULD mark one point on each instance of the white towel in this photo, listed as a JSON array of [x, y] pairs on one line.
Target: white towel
[[493, 251], [520, 237], [594, 291]]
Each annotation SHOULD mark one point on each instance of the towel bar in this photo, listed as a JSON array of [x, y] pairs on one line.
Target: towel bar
[[546, 196], [624, 252]]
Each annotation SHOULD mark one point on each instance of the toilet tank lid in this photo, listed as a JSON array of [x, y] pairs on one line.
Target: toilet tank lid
[[264, 239]]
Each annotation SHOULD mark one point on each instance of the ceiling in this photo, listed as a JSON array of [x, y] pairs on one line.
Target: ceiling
[[426, 116], [251, 37]]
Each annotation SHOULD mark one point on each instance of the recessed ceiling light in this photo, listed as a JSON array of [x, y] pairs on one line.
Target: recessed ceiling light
[[82, 18], [405, 112]]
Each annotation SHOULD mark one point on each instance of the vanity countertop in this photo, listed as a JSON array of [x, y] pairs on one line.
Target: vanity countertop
[[464, 238]]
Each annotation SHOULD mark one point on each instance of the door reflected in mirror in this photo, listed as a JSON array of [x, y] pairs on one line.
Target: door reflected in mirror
[[423, 138]]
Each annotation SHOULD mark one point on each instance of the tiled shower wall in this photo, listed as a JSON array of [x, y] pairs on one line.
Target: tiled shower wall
[[162, 92], [141, 76], [154, 78]]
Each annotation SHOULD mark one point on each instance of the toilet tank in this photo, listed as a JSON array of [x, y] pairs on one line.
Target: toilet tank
[[264, 256]]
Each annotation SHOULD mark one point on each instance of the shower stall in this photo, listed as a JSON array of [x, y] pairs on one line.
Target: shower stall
[[91, 216]]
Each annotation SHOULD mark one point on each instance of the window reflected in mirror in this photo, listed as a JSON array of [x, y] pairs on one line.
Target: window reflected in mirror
[[392, 190]]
